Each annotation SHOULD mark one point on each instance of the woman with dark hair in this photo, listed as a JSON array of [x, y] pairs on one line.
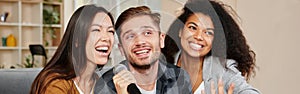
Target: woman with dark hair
[[86, 44], [212, 48]]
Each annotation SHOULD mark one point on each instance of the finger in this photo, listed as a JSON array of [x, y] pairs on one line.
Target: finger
[[231, 88], [117, 78], [220, 87], [122, 75], [128, 76], [212, 90]]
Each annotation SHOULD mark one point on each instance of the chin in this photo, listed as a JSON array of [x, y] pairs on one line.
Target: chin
[[102, 62]]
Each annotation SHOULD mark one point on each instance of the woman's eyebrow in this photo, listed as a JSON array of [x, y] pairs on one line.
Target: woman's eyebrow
[[192, 23], [96, 25]]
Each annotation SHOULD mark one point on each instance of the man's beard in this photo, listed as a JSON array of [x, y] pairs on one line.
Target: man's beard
[[152, 61]]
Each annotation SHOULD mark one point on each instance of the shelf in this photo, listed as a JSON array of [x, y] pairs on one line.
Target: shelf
[[53, 25], [27, 48], [51, 48], [8, 24], [52, 3], [31, 25], [10, 0], [12, 8], [31, 35], [31, 13], [31, 1], [25, 22], [9, 57], [8, 48], [5, 31]]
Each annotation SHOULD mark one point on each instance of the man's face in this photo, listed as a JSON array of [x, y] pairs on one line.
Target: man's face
[[141, 41]]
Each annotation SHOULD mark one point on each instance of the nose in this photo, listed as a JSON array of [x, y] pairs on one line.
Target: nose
[[104, 36], [140, 40], [198, 35]]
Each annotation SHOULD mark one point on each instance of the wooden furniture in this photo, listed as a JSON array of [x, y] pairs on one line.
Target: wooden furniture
[[26, 23]]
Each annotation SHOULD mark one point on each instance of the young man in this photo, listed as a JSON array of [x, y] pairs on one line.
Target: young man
[[140, 42]]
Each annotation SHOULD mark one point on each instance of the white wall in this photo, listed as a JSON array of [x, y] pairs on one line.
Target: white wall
[[272, 29]]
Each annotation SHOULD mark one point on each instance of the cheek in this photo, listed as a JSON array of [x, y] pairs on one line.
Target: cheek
[[112, 39], [126, 47], [91, 39], [186, 34], [209, 41]]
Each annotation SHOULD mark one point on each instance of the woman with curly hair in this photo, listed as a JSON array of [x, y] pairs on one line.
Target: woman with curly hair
[[212, 49]]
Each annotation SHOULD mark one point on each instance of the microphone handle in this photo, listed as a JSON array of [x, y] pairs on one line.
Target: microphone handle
[[133, 89]]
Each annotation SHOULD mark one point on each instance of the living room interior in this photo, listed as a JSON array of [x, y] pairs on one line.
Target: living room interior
[[271, 28]]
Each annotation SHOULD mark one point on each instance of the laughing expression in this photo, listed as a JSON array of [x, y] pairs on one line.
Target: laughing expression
[[100, 39], [197, 35], [141, 41]]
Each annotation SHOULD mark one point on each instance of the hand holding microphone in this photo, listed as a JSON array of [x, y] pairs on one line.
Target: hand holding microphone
[[124, 80]]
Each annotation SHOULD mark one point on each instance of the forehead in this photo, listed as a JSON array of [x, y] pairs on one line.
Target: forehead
[[102, 18], [201, 19], [138, 22]]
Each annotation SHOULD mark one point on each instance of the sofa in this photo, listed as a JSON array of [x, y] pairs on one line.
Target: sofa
[[17, 81]]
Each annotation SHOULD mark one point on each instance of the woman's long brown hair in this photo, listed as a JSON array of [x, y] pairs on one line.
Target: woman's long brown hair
[[62, 65]]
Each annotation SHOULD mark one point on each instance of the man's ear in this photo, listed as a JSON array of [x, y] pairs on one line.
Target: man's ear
[[121, 49], [162, 37]]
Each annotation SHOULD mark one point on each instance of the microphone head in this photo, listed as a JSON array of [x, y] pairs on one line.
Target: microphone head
[[133, 89], [119, 68]]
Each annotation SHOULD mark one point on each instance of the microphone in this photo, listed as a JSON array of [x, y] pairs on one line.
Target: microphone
[[118, 68], [131, 88]]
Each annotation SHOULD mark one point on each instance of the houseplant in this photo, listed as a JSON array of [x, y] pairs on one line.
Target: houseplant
[[27, 63], [50, 17]]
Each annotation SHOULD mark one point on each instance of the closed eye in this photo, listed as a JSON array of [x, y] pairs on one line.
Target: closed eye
[[95, 30], [111, 31]]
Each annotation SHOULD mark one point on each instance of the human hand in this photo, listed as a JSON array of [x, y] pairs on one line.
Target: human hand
[[220, 88], [122, 80]]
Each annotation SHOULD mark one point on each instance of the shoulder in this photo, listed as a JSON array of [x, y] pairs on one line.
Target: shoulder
[[219, 65], [104, 84], [61, 86], [171, 71], [227, 71], [108, 75], [175, 78], [232, 65], [169, 67]]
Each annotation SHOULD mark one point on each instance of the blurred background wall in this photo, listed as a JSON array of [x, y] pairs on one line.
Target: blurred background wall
[[272, 30]]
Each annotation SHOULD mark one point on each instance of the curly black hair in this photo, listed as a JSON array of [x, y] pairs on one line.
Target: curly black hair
[[234, 42]]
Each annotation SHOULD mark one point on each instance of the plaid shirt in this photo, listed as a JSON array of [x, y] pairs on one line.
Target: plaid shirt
[[171, 80]]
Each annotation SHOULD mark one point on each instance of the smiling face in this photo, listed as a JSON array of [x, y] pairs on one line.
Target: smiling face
[[100, 39], [141, 41], [197, 35]]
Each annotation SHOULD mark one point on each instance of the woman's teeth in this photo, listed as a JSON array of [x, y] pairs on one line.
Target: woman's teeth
[[196, 46], [102, 49]]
